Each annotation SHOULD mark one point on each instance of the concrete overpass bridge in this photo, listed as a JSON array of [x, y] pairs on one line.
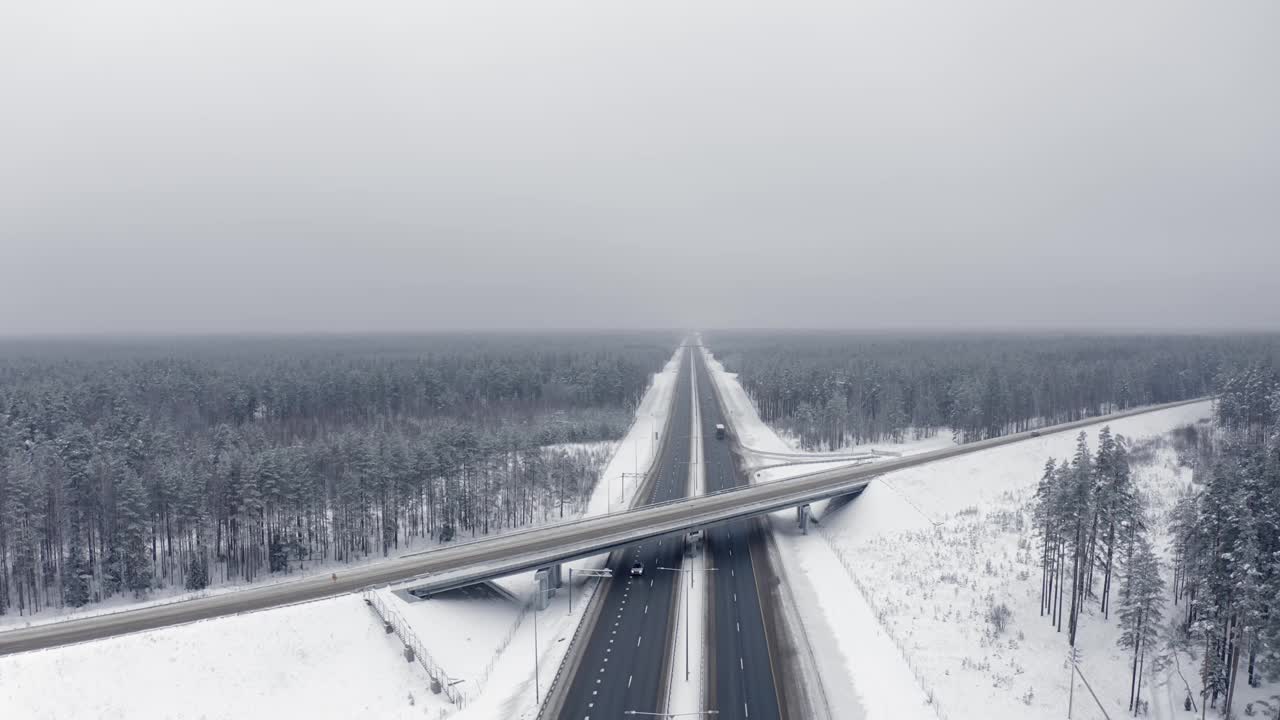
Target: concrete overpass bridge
[[543, 547]]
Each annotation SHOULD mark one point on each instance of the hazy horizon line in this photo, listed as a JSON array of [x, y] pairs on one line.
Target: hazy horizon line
[[976, 329]]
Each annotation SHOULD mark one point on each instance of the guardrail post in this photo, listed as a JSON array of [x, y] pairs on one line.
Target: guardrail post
[[802, 517]]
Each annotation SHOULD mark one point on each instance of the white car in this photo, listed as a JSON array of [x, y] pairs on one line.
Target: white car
[[637, 569]]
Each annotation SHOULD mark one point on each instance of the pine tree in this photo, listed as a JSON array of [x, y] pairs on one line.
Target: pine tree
[[1045, 524], [278, 554], [76, 574], [131, 533], [1248, 603], [1080, 508], [1140, 611], [198, 572]]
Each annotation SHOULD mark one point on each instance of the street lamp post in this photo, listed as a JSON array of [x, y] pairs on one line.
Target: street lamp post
[[536, 699]]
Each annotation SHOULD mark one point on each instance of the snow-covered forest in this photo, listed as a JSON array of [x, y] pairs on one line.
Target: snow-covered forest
[[127, 466], [1226, 575], [1096, 547], [833, 389]]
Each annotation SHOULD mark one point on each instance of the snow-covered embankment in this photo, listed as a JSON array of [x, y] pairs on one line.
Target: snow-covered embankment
[[895, 586]]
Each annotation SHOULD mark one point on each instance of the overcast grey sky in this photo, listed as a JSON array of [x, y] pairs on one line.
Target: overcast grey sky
[[235, 165]]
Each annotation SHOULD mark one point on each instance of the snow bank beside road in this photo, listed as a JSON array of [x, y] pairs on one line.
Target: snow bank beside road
[[751, 431], [321, 660]]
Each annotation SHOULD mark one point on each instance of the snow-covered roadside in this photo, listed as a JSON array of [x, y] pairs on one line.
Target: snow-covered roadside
[[320, 660], [751, 431], [916, 561]]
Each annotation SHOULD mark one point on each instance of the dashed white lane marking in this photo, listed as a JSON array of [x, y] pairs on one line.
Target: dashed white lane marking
[[629, 677], [646, 609], [739, 626], [745, 712], [735, 597], [638, 639], [740, 665]]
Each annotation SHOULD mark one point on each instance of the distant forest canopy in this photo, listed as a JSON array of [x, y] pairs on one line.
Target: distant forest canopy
[[833, 389], [321, 381], [131, 465]]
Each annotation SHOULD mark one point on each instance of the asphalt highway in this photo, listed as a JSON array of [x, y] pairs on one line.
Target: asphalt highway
[[622, 665], [741, 681]]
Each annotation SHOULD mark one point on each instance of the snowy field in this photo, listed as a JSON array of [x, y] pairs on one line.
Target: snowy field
[[332, 658], [893, 588], [930, 558], [327, 659]]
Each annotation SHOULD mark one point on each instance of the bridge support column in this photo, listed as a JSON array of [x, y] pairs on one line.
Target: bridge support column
[[802, 518], [548, 578], [542, 583]]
